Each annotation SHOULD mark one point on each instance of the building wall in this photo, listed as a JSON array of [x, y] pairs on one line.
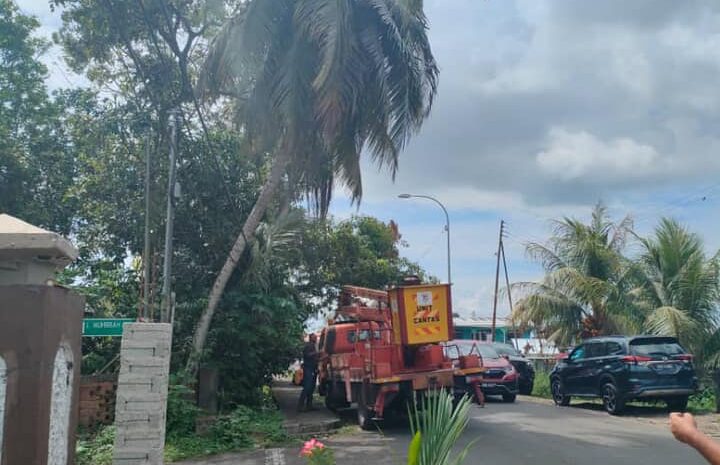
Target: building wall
[[480, 333]]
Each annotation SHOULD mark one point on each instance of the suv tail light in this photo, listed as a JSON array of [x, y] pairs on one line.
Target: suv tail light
[[636, 359], [684, 357]]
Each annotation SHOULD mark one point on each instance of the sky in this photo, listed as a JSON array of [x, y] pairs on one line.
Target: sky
[[545, 108]]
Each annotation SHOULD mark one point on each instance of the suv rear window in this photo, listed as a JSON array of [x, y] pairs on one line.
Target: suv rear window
[[656, 346]]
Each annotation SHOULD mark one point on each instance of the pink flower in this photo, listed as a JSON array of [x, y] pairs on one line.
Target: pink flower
[[310, 446]]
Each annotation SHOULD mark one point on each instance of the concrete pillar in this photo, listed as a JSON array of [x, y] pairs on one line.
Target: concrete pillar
[[40, 331], [141, 403]]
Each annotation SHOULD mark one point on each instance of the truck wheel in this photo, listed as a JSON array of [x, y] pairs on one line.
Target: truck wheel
[[335, 397], [365, 417], [509, 398], [365, 413]]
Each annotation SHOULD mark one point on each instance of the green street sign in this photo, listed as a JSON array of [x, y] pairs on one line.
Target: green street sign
[[104, 326]]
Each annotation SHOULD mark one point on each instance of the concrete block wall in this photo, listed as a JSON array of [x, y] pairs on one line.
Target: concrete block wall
[[140, 407]]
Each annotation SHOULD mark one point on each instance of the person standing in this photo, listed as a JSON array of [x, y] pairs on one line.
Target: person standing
[[310, 366]]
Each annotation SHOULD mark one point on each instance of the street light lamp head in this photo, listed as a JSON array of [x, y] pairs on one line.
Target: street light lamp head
[[404, 196]]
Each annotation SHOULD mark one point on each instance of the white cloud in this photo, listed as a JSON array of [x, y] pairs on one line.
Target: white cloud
[[575, 155]]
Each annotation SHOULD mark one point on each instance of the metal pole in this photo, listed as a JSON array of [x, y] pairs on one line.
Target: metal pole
[[507, 283], [447, 225], [447, 228], [497, 281], [167, 262], [146, 252]]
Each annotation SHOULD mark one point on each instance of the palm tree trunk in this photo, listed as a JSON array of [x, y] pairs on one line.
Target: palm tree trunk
[[247, 233]]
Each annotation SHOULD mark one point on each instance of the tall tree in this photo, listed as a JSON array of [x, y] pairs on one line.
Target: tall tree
[[36, 165], [678, 286], [315, 83], [362, 251], [586, 279]]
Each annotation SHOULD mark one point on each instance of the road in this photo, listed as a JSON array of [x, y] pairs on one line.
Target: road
[[540, 434], [524, 433], [528, 432]]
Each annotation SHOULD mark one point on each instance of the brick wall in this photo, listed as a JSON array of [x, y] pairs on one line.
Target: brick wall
[[97, 400]]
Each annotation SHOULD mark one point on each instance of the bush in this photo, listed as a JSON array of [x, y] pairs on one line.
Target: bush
[[181, 411], [703, 401], [542, 385], [97, 449], [244, 428]]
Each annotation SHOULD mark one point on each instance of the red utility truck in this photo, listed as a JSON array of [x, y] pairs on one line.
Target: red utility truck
[[385, 347]]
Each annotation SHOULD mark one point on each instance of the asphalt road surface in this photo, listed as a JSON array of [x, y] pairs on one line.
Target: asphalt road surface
[[527, 433], [524, 433]]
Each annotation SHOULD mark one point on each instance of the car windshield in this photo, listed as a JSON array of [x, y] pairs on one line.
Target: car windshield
[[485, 350], [506, 349], [656, 346]]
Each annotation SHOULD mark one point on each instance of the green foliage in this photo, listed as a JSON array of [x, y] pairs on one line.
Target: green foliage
[[322, 82], [678, 287], [702, 402], [36, 157], [246, 426], [96, 449], [440, 423], [591, 288], [182, 412], [541, 387], [362, 251], [414, 449], [241, 429]]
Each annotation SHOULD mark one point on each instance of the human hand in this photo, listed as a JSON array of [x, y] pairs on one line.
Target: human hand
[[684, 428]]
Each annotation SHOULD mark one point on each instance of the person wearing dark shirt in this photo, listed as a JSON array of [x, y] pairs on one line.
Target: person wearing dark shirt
[[310, 366]]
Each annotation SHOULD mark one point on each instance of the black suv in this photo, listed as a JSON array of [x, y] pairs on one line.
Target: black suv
[[523, 366], [621, 368]]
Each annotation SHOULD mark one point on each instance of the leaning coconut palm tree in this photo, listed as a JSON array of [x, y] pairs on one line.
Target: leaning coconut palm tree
[[586, 277], [678, 287], [316, 83]]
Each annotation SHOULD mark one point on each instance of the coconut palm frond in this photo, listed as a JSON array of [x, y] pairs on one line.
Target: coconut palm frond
[[326, 80], [669, 321], [440, 425]]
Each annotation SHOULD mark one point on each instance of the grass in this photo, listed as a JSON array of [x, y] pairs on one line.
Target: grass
[[541, 387], [244, 428]]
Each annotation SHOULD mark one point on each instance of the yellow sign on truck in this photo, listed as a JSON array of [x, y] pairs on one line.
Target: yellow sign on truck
[[421, 314]]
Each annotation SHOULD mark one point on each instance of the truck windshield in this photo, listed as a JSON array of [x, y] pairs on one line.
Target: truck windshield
[[656, 346]]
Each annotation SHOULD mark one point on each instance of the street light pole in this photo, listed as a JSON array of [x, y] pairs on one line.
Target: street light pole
[[447, 225]]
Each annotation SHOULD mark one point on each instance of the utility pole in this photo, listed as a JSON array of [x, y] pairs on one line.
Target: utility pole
[[497, 280], [146, 253], [167, 259], [507, 283]]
